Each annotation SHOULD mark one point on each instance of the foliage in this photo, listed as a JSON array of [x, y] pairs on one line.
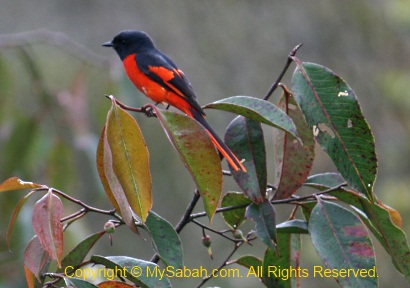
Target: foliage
[[319, 108]]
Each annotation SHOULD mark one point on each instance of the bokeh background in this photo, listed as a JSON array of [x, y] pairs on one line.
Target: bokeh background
[[54, 74]]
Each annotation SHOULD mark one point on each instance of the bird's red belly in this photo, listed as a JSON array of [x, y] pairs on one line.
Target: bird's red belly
[[150, 88]]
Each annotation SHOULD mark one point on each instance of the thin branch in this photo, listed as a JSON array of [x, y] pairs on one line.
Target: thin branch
[[87, 207], [293, 200], [285, 68], [80, 213], [186, 218], [215, 231], [147, 109]]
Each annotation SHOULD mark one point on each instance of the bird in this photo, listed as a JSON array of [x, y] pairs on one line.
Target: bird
[[157, 76]]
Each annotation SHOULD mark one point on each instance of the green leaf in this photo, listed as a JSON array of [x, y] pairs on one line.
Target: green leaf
[[140, 272], [293, 160], [245, 138], [307, 208], [198, 153], [47, 213], [293, 226], [281, 269], [324, 181], [165, 240], [263, 214], [333, 113], [248, 261], [258, 110], [251, 262], [130, 159], [343, 243], [77, 255], [234, 218]]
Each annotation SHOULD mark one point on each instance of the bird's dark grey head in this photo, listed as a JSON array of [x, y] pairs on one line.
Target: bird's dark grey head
[[130, 42]]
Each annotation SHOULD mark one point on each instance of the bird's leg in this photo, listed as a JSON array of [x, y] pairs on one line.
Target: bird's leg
[[163, 103]]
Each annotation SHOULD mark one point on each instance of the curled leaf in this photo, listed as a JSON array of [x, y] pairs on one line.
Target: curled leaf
[[130, 160]]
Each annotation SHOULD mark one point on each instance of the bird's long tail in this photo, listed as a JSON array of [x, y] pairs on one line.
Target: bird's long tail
[[219, 144]]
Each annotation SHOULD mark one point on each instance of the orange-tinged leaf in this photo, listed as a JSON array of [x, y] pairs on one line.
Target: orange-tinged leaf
[[293, 160], [114, 284], [47, 213], [394, 215], [16, 212], [130, 160], [15, 183], [110, 182], [197, 152], [30, 278], [35, 260], [102, 161]]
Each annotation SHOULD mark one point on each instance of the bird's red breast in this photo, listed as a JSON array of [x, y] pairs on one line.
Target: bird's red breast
[[154, 90]]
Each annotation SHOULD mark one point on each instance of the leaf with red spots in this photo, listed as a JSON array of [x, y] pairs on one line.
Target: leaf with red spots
[[197, 152], [343, 242], [380, 221], [293, 160], [376, 217]]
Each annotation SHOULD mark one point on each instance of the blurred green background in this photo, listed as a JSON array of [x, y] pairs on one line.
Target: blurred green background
[[54, 74]]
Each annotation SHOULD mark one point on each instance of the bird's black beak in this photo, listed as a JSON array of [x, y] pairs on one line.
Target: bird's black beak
[[107, 44]]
